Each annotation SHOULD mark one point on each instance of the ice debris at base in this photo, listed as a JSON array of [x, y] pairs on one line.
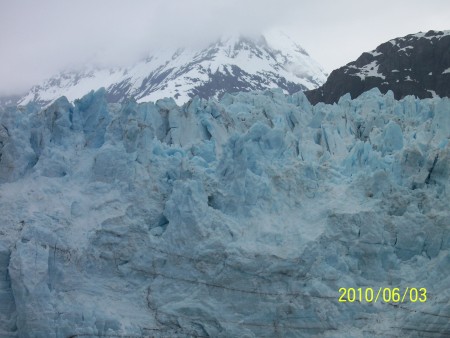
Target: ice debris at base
[[238, 218]]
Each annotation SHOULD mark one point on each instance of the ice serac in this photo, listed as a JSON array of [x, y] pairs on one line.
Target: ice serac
[[7, 305], [233, 218]]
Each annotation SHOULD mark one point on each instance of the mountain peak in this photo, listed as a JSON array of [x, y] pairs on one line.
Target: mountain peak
[[431, 34], [235, 62]]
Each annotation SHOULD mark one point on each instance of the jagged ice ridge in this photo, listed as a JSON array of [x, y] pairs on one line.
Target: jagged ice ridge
[[237, 218]]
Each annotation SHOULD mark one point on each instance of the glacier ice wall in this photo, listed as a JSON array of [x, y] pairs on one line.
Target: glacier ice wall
[[238, 218]]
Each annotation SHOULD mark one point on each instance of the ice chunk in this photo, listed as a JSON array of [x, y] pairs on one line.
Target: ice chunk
[[91, 115]]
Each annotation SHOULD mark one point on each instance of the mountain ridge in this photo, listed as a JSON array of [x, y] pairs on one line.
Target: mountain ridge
[[416, 64], [231, 64]]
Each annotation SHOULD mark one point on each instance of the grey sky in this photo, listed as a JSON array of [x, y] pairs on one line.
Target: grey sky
[[39, 38]]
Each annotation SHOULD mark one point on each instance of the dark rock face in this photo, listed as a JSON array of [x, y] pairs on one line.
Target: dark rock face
[[417, 64], [240, 81]]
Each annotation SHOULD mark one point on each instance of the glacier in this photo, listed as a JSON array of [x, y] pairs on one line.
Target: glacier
[[234, 218]]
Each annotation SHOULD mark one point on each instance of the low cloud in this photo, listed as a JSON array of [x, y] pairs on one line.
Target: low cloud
[[41, 38]]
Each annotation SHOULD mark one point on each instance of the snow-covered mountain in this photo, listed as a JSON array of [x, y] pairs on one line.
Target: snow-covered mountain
[[237, 218], [416, 64], [231, 64]]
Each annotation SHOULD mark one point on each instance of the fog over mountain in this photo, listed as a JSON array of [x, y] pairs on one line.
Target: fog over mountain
[[230, 64], [42, 38]]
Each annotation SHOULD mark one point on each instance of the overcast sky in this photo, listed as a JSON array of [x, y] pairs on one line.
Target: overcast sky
[[40, 38]]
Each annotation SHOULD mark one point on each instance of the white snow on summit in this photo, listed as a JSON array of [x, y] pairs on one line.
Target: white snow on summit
[[233, 63], [438, 35], [421, 35]]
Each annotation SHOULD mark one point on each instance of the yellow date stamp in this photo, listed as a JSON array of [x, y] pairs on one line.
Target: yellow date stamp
[[382, 294]]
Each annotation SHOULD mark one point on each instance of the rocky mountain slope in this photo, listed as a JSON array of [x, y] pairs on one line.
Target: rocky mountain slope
[[238, 218], [416, 64], [231, 64]]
